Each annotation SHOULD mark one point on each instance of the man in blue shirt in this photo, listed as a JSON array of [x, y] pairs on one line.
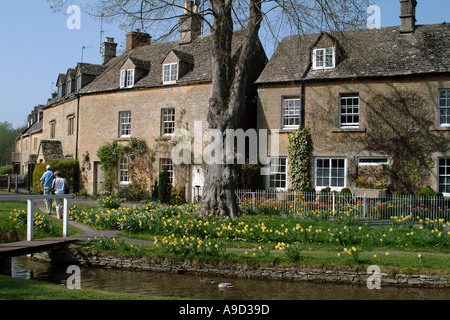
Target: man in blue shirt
[[46, 187]]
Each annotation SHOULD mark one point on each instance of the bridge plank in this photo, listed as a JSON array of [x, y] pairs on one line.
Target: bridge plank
[[13, 249]]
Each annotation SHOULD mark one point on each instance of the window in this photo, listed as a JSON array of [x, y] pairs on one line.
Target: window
[[323, 59], [127, 78], [168, 121], [124, 177], [60, 92], [52, 129], [125, 124], [278, 173], [330, 172], [349, 111], [444, 176], [70, 125], [166, 164], [291, 113], [79, 82], [35, 143], [444, 108], [372, 161], [170, 73], [68, 88]]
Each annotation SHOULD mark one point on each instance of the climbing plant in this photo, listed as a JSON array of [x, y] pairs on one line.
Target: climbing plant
[[300, 149], [141, 158], [109, 155]]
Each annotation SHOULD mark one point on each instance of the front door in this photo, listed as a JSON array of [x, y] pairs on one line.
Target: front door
[[98, 178], [197, 181]]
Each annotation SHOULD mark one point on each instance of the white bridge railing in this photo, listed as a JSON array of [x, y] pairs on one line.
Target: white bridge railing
[[30, 209]]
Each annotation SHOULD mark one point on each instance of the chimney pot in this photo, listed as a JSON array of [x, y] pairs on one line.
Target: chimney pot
[[137, 39], [408, 16], [109, 49]]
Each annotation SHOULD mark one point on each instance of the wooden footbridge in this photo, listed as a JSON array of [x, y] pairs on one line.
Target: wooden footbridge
[[14, 249]]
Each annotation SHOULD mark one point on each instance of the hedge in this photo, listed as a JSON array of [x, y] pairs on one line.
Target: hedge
[[70, 169]]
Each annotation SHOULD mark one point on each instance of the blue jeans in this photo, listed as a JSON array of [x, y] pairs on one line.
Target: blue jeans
[[48, 202]]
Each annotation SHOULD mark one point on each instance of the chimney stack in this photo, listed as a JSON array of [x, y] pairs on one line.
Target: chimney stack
[[109, 49], [137, 39], [408, 16], [191, 25]]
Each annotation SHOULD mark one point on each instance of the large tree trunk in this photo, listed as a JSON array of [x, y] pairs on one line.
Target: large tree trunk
[[228, 101]]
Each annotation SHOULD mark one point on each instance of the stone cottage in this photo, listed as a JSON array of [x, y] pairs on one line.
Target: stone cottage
[[362, 94]]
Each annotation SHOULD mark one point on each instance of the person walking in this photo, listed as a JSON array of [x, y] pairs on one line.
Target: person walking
[[59, 186], [46, 186]]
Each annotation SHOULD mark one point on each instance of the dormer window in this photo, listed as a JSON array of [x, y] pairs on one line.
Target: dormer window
[[324, 58], [127, 78], [79, 82], [68, 88], [60, 92], [170, 73]]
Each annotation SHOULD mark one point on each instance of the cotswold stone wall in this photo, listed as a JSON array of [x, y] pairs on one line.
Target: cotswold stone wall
[[73, 255]]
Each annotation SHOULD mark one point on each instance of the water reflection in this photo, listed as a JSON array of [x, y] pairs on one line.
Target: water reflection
[[201, 287]]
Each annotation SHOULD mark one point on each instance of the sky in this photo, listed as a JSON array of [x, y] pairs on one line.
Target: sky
[[37, 45]]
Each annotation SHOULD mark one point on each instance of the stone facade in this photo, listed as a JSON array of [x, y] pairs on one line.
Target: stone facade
[[321, 114]]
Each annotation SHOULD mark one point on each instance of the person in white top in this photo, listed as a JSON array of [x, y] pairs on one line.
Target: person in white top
[[59, 186]]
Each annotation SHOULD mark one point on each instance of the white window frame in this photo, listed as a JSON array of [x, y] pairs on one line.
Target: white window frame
[[127, 78], [373, 161], [330, 173], [444, 107], [52, 125], [125, 124], [291, 111], [60, 92], [443, 172], [167, 163], [124, 173], [168, 121], [277, 179], [70, 125], [79, 82], [349, 124], [170, 73], [321, 64], [68, 88]]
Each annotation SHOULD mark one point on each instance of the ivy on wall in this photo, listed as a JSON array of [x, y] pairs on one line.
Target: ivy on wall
[[300, 161], [140, 163]]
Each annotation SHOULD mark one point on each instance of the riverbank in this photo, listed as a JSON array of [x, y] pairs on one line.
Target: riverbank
[[231, 266]]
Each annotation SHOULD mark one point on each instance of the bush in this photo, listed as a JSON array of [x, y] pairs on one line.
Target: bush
[[164, 187], [70, 169], [6, 170], [178, 195], [346, 194], [325, 194], [427, 191]]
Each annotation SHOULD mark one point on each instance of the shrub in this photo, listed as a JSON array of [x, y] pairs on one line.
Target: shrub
[[346, 194], [164, 187], [178, 195], [6, 170], [427, 191], [70, 170]]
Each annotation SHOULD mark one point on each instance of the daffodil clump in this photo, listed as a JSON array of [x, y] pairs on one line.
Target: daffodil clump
[[183, 221], [42, 222]]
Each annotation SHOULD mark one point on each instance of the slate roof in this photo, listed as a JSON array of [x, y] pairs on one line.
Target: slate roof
[[198, 52], [51, 150], [90, 69], [367, 53]]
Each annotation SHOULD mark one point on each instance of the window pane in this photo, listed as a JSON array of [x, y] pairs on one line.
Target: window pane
[[349, 109]]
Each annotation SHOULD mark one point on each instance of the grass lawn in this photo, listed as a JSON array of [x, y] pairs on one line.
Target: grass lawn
[[11, 230]]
